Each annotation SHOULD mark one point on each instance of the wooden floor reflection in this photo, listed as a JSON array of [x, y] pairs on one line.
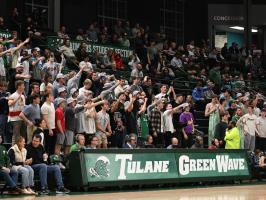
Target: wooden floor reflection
[[257, 192]]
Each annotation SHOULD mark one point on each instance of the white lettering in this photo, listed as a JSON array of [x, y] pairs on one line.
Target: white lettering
[[158, 166], [139, 170], [222, 163], [184, 165], [131, 167], [123, 158], [148, 167], [206, 164], [241, 164], [165, 166], [199, 165], [193, 165], [212, 165]]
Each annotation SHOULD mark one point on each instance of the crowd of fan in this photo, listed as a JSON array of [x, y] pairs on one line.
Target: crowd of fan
[[54, 113]]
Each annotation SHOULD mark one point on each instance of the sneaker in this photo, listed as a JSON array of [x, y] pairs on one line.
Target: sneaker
[[61, 166], [62, 190], [44, 191], [25, 191], [31, 191]]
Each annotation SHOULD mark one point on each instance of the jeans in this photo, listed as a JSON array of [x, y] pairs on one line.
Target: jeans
[[44, 169], [10, 178], [27, 174], [3, 126]]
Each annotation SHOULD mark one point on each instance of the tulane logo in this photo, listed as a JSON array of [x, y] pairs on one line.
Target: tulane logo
[[101, 168]]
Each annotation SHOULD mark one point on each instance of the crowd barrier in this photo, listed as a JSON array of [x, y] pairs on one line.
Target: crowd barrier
[[116, 167]]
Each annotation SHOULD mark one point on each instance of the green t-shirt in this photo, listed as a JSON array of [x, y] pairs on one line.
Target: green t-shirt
[[144, 126], [75, 147]]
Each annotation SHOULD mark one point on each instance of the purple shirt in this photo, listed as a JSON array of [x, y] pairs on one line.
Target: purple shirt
[[184, 118]]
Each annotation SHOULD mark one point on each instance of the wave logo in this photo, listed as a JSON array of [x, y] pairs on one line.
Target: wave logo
[[101, 168]]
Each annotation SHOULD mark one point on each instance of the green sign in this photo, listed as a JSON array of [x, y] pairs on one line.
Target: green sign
[[55, 42], [5, 34], [192, 165], [105, 167]]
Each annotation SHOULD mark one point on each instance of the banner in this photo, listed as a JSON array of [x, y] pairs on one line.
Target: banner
[[5, 34], [55, 42], [105, 167], [193, 165]]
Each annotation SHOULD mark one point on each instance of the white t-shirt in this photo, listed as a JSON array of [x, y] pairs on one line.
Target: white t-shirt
[[256, 111], [118, 90], [249, 122], [16, 108], [43, 87], [48, 109], [168, 121], [160, 95], [26, 69], [261, 125], [83, 91], [90, 124]]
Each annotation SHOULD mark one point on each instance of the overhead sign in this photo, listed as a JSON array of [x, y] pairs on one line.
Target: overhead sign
[[56, 42]]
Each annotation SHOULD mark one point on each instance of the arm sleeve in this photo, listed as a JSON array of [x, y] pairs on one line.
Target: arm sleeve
[[44, 111]]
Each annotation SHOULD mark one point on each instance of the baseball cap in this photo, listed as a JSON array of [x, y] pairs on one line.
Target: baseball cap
[[58, 76], [72, 91], [61, 89], [70, 100], [60, 100], [37, 49], [135, 92], [81, 98], [238, 95]]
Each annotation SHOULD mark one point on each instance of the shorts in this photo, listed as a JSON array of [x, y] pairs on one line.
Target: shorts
[[66, 138], [102, 138]]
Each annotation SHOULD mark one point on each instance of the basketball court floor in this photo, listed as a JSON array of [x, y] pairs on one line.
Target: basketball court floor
[[247, 192]]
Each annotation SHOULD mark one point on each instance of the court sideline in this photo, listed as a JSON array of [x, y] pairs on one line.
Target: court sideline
[[251, 192]]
